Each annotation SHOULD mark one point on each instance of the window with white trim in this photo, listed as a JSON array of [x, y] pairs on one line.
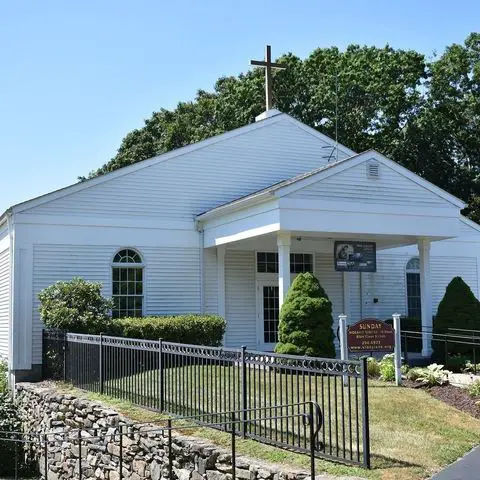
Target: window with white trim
[[414, 304], [127, 284], [267, 262]]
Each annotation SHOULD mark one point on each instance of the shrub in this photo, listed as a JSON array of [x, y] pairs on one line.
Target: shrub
[[414, 373], [75, 305], [474, 389], [373, 367], [193, 329], [387, 368], [459, 308], [306, 320], [457, 362], [471, 367], [3, 376], [433, 375]]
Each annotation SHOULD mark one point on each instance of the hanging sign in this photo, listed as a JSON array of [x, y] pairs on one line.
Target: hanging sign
[[355, 256], [370, 335]]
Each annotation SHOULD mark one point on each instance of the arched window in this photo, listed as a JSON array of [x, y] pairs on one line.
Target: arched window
[[127, 284], [414, 304]]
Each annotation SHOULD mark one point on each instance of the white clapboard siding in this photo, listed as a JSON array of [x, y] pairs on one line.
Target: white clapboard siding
[[443, 269], [4, 301], [355, 297], [354, 185], [387, 285], [172, 277], [192, 183], [210, 275], [332, 283], [240, 299]]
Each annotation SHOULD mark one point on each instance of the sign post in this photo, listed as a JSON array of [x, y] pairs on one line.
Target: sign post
[[342, 323], [398, 349]]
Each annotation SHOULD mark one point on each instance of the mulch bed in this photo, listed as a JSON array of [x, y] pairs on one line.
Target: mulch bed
[[455, 396]]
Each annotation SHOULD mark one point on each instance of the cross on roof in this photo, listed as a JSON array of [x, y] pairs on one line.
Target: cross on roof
[[268, 65]]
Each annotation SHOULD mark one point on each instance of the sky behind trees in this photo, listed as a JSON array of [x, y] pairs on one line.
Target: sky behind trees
[[78, 76]]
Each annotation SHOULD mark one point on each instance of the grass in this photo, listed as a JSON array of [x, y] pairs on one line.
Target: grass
[[413, 435]]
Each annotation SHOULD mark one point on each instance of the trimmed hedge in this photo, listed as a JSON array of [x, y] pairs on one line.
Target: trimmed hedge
[[193, 329]]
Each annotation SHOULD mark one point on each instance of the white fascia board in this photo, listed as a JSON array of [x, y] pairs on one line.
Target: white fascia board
[[368, 223], [384, 209], [123, 221], [92, 235], [249, 226], [48, 197], [473, 225], [235, 206], [360, 158]]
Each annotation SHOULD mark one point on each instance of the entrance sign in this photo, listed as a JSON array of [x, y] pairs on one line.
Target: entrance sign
[[370, 335], [355, 256]]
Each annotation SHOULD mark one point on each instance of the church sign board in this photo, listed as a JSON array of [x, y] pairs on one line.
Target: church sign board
[[370, 335], [355, 256]]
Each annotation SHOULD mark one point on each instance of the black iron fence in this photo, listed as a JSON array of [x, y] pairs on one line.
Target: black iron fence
[[189, 380], [73, 449]]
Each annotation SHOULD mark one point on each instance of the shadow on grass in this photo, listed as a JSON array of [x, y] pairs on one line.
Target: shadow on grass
[[380, 462]]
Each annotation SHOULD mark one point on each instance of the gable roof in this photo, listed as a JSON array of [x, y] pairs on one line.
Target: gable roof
[[275, 117], [296, 183]]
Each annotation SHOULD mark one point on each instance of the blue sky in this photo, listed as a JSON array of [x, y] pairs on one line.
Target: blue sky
[[77, 75]]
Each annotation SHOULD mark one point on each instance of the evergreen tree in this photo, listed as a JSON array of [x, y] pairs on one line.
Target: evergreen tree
[[306, 320], [459, 308]]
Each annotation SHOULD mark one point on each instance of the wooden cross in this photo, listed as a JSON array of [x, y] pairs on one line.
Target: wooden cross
[[268, 65]]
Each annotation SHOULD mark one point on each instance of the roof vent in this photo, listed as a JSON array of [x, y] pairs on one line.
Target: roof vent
[[373, 170]]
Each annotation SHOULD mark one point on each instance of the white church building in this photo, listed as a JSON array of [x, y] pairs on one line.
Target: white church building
[[223, 225]]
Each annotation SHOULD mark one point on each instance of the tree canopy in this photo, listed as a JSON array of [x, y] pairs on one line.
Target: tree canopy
[[422, 113]]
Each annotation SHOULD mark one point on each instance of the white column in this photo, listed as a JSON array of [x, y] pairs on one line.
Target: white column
[[221, 280], [283, 243], [425, 295], [398, 349]]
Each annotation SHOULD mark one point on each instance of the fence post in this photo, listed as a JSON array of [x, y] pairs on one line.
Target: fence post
[[234, 456], [65, 345], [312, 441], [161, 386], [121, 452], [398, 349], [244, 393], [45, 453], [342, 323], [79, 454], [100, 361], [170, 453], [365, 419]]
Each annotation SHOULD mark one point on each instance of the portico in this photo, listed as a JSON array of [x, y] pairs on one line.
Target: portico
[[373, 199]]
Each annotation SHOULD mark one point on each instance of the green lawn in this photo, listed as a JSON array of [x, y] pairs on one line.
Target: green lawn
[[412, 434]]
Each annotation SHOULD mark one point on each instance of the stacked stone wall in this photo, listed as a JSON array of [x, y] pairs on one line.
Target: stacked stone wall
[[85, 435]]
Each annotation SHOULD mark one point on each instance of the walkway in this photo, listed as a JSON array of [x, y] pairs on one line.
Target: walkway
[[465, 468]]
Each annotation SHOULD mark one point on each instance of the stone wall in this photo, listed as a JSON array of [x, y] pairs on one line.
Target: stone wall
[[84, 434]]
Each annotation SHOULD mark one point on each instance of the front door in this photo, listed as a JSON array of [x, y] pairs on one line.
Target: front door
[[267, 315]]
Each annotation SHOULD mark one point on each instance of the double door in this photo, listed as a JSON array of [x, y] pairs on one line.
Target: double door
[[267, 314]]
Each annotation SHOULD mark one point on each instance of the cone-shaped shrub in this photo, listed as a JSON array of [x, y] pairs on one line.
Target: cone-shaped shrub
[[459, 308], [306, 321]]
